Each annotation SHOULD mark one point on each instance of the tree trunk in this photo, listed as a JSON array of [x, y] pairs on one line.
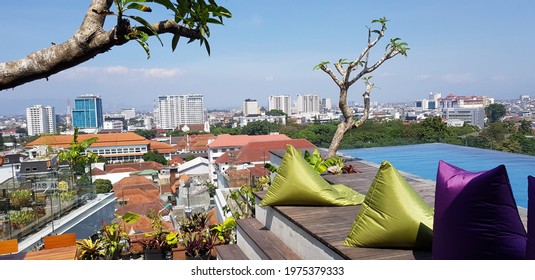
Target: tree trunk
[[339, 135]]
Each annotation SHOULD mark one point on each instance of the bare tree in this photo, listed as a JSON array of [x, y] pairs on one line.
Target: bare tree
[[188, 18], [361, 66]]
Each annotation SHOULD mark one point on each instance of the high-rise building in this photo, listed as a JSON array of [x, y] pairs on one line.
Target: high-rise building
[[250, 107], [175, 110], [87, 112], [280, 102], [308, 103], [41, 120], [128, 113], [326, 104]]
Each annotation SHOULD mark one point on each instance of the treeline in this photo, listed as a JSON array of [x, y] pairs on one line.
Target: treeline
[[503, 136]]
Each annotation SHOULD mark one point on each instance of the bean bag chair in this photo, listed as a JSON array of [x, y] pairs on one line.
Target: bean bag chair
[[297, 183], [476, 216], [393, 215], [530, 249]]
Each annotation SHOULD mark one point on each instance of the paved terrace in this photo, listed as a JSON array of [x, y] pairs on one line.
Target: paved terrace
[[330, 225]]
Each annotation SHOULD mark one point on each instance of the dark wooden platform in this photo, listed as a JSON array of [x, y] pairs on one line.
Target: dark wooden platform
[[230, 252], [331, 225], [268, 244]]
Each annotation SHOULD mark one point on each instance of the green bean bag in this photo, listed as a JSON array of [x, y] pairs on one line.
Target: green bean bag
[[297, 183], [392, 215]]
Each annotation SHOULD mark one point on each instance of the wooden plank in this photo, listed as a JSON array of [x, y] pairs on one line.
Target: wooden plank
[[60, 253], [270, 244], [230, 252], [9, 246], [58, 241]]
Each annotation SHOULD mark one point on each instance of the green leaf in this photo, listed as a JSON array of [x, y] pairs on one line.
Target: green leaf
[[130, 217], [139, 7], [174, 41], [147, 25]]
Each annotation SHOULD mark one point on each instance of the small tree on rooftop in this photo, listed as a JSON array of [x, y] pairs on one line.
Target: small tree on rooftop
[[77, 154], [362, 67]]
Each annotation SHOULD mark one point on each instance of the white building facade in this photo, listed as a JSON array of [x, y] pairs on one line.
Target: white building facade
[[175, 110], [41, 120], [308, 103], [250, 107], [280, 102]]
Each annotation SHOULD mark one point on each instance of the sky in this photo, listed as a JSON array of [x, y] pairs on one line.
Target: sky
[[271, 47]]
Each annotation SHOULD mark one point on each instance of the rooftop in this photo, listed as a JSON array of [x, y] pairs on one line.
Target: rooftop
[[227, 140]]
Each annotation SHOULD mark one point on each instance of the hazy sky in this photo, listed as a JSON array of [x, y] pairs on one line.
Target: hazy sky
[[270, 48]]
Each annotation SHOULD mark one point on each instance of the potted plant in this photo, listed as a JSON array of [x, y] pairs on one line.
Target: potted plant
[[159, 243], [89, 249], [135, 250], [198, 245], [225, 231]]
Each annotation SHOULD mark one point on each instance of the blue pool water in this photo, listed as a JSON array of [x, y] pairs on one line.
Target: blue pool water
[[422, 160]]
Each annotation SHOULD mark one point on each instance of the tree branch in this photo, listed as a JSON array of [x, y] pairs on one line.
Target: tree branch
[[390, 54], [332, 75], [89, 41]]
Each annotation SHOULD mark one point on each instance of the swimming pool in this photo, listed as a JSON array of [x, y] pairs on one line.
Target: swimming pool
[[422, 160]]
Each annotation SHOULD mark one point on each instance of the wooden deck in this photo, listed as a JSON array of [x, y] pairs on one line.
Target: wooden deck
[[63, 253], [331, 225]]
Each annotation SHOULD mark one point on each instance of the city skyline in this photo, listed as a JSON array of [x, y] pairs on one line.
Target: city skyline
[[270, 48]]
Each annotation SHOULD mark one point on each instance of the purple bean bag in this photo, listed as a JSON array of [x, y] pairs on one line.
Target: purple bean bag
[[476, 216], [530, 249]]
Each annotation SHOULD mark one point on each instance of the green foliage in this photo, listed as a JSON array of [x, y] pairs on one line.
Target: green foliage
[[103, 185], [225, 231], [496, 131], [22, 218], [77, 154], [190, 157], [90, 250], [20, 197], [275, 112], [320, 165], [147, 133], [433, 130], [525, 127], [495, 112], [260, 128], [155, 156]]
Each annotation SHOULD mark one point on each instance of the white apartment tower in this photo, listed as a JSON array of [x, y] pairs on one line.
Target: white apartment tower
[[250, 107], [326, 104], [308, 103], [175, 110], [280, 102], [41, 120]]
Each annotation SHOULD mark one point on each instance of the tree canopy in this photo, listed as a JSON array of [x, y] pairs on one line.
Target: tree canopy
[[155, 156], [495, 112], [181, 18]]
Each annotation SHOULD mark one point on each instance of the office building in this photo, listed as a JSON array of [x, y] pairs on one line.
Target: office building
[[250, 107], [176, 110], [129, 113], [41, 120], [87, 113], [308, 103], [326, 104], [280, 102]]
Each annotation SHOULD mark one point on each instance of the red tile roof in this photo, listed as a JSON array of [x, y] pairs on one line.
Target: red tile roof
[[259, 151], [137, 166], [227, 140], [132, 181], [104, 140], [161, 147]]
